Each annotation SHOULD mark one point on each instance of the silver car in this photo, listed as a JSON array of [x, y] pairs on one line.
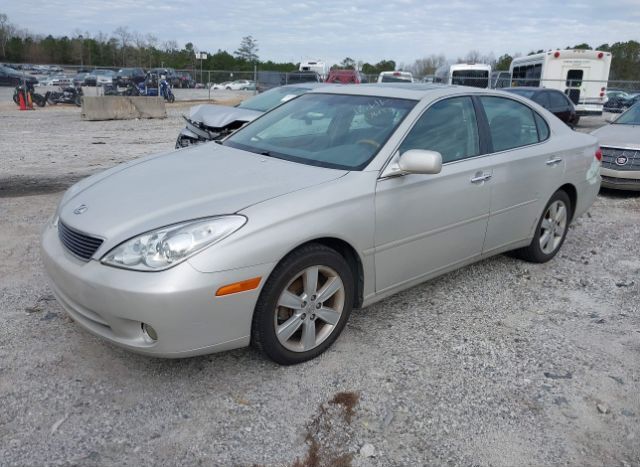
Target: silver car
[[208, 122], [331, 201], [620, 143]]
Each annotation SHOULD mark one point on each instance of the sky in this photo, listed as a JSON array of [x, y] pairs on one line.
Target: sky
[[330, 30]]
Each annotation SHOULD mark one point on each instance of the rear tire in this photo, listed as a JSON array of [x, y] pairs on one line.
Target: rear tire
[[303, 306], [39, 100], [551, 230]]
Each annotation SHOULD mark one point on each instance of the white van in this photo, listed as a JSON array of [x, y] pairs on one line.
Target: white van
[[581, 74], [395, 77], [476, 75], [318, 66]]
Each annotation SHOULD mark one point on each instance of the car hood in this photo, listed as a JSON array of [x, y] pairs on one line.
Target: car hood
[[197, 182], [219, 116], [620, 136]]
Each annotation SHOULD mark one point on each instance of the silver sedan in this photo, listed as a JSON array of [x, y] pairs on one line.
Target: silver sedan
[[332, 201]]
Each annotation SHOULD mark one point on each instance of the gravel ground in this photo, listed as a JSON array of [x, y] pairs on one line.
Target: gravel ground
[[499, 363]]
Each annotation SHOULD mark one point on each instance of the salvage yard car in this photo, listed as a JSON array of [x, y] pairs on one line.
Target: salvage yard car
[[334, 200], [208, 122], [620, 143]]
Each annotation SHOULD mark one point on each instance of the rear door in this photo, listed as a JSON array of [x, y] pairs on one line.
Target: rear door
[[525, 173], [574, 84]]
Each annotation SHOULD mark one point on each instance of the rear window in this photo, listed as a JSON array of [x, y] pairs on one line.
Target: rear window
[[395, 79], [511, 123]]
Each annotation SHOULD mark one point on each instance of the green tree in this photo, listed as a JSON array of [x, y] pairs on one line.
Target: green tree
[[583, 46], [625, 64], [348, 64], [248, 50], [503, 62]]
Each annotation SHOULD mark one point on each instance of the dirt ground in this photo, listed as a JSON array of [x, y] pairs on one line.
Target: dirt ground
[[501, 363]]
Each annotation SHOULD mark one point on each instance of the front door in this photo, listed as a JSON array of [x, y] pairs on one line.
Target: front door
[[426, 224]]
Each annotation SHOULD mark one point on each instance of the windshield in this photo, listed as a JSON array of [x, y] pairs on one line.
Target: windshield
[[271, 98], [328, 130], [630, 117]]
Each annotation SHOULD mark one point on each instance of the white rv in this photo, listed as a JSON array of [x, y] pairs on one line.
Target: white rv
[[318, 66], [477, 75], [581, 74]]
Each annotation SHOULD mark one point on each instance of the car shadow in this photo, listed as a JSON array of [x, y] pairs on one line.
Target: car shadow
[[611, 193]]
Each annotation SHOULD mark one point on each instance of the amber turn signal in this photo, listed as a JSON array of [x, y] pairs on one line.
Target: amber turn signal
[[236, 287]]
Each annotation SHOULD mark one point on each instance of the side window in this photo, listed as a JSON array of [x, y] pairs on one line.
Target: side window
[[542, 98], [449, 127], [558, 100], [543, 128], [511, 123]]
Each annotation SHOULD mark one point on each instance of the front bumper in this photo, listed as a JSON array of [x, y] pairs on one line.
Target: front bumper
[[179, 303], [621, 179]]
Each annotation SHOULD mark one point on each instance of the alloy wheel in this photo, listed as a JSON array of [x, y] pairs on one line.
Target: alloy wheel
[[309, 308], [553, 226]]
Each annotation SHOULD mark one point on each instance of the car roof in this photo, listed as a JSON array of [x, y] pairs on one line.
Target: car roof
[[415, 91], [530, 88]]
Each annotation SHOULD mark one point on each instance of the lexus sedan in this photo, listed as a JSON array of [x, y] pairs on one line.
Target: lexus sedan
[[332, 201], [620, 143]]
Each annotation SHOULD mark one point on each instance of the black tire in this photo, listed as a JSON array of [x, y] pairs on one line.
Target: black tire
[[39, 100], [171, 98], [16, 99], [263, 330], [534, 253]]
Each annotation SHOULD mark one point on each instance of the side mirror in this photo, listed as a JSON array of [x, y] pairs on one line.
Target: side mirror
[[420, 161]]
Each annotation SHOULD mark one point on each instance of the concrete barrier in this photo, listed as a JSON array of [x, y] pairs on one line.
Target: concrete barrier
[[122, 108]]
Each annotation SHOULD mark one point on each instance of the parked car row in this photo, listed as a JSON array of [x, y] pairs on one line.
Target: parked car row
[[12, 77]]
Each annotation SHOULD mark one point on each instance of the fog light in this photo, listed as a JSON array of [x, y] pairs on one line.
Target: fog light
[[149, 332]]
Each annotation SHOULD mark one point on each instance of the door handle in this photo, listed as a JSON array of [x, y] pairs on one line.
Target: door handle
[[554, 161], [481, 178]]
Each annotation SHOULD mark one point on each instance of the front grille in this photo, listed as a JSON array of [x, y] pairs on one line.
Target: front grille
[[611, 155], [81, 245]]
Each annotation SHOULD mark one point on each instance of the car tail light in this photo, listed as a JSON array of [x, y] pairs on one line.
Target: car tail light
[[557, 54], [598, 154], [602, 94], [600, 55], [603, 89]]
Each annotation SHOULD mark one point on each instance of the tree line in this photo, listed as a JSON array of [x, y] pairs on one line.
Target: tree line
[[126, 48]]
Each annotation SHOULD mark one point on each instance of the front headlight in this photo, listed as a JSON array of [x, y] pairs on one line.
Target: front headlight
[[165, 247]]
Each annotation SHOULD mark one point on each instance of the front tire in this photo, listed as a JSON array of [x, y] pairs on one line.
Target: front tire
[[304, 305], [551, 230]]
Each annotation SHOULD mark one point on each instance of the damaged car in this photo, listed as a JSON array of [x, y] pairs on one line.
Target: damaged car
[[210, 122]]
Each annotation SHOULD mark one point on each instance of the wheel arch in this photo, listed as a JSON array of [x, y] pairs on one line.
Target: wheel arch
[[351, 256], [572, 192]]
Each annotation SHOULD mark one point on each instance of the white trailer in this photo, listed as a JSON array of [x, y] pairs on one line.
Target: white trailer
[[477, 75], [318, 66], [581, 74]]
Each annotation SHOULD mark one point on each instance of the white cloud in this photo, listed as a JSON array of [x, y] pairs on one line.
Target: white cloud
[[402, 30]]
